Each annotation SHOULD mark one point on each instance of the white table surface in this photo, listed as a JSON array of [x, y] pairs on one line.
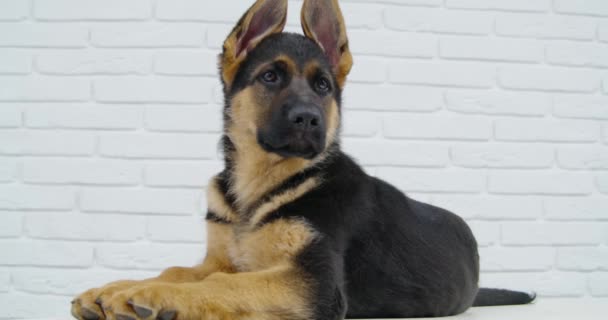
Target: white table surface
[[542, 309]]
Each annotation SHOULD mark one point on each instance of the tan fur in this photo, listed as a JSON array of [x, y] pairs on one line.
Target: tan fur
[[267, 286], [274, 244], [346, 59], [216, 202], [277, 293], [256, 171], [230, 59], [282, 199]]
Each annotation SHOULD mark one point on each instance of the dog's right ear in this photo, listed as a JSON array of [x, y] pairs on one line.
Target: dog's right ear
[[264, 18]]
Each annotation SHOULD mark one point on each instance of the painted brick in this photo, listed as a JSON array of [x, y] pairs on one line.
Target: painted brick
[[441, 21], [419, 180], [50, 254], [583, 157], [8, 169], [149, 256], [11, 227], [14, 10], [590, 7], [184, 118], [579, 259], [147, 36], [15, 62], [489, 207], [578, 55], [36, 197], [46, 143], [10, 117], [216, 34], [545, 26], [424, 3], [443, 74], [547, 284], [548, 79], [542, 183], [587, 208], [392, 98], [44, 89], [432, 127], [19, 305], [94, 63], [68, 281], [516, 259], [502, 156], [603, 31], [145, 201], [186, 229], [181, 173], [60, 226], [513, 5], [547, 131], [601, 180], [361, 15], [42, 35], [552, 233], [498, 102], [186, 63], [486, 233], [79, 171], [374, 152], [5, 281], [92, 9], [194, 10], [176, 146], [368, 70], [389, 43], [598, 284], [104, 117], [161, 90], [494, 49], [360, 124], [581, 107]]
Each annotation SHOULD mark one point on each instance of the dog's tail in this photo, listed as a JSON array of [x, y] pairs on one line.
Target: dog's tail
[[500, 297]]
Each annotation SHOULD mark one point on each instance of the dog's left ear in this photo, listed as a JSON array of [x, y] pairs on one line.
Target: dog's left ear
[[264, 18], [322, 21]]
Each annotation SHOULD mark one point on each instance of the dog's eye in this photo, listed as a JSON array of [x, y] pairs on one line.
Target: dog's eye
[[322, 85], [270, 77]]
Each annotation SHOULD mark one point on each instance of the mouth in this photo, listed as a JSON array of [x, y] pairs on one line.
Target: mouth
[[290, 150]]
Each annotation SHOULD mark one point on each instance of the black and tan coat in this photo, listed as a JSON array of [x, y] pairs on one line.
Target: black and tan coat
[[296, 230]]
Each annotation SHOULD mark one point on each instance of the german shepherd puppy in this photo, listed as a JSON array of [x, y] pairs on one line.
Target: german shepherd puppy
[[296, 229]]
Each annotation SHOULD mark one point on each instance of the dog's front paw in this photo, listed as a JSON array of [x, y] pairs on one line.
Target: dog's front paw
[[160, 301], [87, 306]]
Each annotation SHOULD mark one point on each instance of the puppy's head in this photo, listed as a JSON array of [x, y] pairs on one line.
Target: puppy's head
[[283, 90]]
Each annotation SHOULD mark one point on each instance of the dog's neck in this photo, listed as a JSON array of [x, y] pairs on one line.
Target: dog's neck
[[252, 172]]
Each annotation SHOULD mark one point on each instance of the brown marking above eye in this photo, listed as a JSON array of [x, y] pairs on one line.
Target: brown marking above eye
[[282, 66], [315, 74]]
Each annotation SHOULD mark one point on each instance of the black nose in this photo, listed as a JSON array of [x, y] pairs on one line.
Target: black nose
[[305, 118]]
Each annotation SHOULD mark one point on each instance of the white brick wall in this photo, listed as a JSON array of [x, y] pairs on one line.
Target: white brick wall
[[110, 116]]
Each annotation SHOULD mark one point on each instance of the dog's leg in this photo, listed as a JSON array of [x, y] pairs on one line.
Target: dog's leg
[[276, 293], [87, 306]]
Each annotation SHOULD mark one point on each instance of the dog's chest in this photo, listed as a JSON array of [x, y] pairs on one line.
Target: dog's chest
[[275, 244]]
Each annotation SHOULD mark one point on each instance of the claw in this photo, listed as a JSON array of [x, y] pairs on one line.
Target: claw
[[88, 314], [141, 312], [166, 315], [124, 317]]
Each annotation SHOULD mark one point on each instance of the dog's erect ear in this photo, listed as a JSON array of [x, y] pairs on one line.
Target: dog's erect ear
[[322, 21], [264, 18]]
